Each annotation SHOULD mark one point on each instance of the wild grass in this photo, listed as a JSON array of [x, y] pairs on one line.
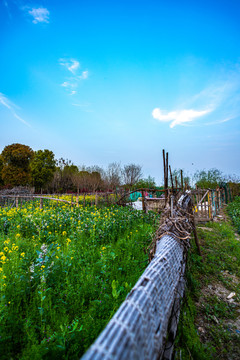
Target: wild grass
[[207, 328], [63, 273]]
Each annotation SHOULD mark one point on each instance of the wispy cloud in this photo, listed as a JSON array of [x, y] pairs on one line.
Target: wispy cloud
[[69, 85], [220, 101], [84, 75], [178, 117], [221, 121], [83, 107], [10, 106], [40, 15], [71, 82], [72, 65], [5, 3]]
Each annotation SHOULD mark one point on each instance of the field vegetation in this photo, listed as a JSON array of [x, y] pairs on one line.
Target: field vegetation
[[209, 325], [63, 273]]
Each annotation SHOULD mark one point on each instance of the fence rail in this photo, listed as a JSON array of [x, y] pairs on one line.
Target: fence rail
[[206, 203]]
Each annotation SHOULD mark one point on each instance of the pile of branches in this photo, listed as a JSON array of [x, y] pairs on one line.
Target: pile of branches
[[177, 220]]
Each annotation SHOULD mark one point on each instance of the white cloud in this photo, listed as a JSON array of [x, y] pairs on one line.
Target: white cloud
[[65, 84], [219, 100], [72, 65], [7, 8], [221, 121], [178, 117], [39, 15], [81, 105], [84, 75], [10, 106], [71, 83]]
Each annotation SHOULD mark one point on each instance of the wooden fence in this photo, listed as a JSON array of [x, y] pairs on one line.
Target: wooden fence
[[98, 199], [208, 203]]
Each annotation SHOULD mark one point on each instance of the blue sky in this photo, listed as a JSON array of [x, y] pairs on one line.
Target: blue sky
[[104, 81]]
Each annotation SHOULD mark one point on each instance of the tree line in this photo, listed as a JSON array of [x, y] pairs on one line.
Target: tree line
[[21, 166]]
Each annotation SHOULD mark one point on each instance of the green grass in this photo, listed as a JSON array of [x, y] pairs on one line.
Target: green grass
[[63, 274], [205, 307]]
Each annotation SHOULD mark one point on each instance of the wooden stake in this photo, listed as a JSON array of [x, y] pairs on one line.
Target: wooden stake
[[182, 180], [171, 178], [176, 182], [196, 237]]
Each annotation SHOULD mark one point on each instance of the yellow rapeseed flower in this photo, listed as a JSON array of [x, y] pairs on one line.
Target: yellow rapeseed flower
[[64, 233], [5, 249], [22, 254]]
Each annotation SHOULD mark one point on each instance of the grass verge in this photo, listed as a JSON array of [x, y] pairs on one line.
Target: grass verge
[[209, 326]]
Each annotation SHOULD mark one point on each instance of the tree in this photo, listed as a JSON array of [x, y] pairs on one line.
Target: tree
[[95, 180], [209, 179], [1, 167], [84, 179], [16, 164], [131, 174], [148, 183], [113, 175], [63, 176], [43, 166]]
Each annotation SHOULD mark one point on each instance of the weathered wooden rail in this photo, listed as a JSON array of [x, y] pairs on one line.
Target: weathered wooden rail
[[96, 198], [208, 203]]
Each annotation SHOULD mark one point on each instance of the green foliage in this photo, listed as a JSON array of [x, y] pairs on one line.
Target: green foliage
[[42, 167], [1, 167], [221, 255], [209, 179], [63, 273], [148, 183], [16, 160], [188, 344], [234, 211]]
